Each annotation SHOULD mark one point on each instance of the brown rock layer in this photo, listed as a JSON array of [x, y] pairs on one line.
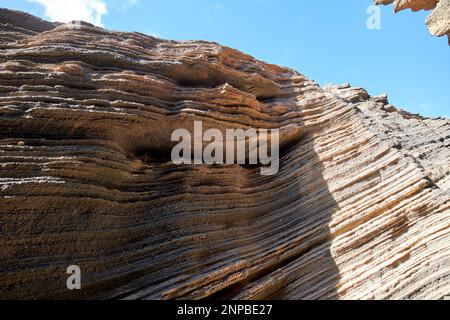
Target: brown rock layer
[[438, 22], [359, 210]]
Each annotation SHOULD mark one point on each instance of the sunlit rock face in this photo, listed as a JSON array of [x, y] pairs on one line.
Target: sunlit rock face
[[360, 208], [438, 21]]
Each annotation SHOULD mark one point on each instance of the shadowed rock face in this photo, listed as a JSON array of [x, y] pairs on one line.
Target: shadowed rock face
[[438, 21], [359, 210]]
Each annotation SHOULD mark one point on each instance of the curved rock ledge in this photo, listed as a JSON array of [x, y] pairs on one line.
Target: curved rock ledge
[[438, 21], [359, 210]]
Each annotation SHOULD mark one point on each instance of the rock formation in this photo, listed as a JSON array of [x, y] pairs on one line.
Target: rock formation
[[359, 210], [438, 21]]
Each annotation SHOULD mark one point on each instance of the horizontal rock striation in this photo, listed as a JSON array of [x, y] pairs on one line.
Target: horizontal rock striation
[[438, 21], [360, 208]]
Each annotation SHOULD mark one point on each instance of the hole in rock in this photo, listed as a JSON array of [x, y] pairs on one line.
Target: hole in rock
[[153, 156]]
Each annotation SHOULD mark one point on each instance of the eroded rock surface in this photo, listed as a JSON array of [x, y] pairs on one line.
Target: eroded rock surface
[[359, 210], [438, 21]]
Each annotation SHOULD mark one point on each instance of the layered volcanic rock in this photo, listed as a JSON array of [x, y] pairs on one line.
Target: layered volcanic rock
[[438, 21], [360, 208]]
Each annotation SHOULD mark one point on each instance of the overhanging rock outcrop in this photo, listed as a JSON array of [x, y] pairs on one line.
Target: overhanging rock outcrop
[[360, 208], [438, 21]]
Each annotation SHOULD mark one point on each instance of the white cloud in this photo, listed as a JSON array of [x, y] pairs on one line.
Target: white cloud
[[217, 7], [425, 107], [123, 5], [90, 11], [129, 3]]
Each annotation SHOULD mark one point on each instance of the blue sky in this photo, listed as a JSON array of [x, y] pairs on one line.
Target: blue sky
[[327, 41]]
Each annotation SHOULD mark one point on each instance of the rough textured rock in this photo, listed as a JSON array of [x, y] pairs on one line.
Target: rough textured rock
[[359, 210], [438, 21]]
